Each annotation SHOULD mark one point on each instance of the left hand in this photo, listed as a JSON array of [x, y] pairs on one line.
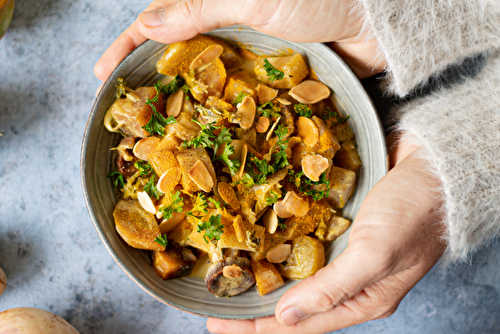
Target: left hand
[[395, 240]]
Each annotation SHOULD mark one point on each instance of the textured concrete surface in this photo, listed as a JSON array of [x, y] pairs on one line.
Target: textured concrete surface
[[49, 248]]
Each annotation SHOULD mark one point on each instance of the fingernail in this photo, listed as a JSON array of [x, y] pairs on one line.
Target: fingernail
[[292, 315], [153, 18]]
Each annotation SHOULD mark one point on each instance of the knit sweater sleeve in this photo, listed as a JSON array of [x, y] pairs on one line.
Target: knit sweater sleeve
[[457, 127], [420, 38]]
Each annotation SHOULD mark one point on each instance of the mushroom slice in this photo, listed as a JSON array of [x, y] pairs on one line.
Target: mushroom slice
[[174, 103], [226, 192], [296, 205], [270, 220], [201, 177], [169, 180], [265, 93], [207, 56], [145, 146], [146, 202], [262, 124], [243, 159], [125, 145], [279, 253], [280, 210], [270, 133], [308, 131], [314, 165], [246, 112], [309, 92], [238, 280]]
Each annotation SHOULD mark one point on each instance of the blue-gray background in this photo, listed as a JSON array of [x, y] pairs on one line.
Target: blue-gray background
[[49, 248]]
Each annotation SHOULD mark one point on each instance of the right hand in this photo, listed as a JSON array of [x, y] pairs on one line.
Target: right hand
[[169, 21]]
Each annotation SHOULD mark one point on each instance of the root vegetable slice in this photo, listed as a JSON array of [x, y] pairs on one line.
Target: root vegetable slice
[[146, 146], [169, 180], [168, 225], [270, 221], [246, 111], [223, 286], [34, 321], [266, 94], [207, 56], [174, 103], [226, 192], [262, 124], [200, 175], [296, 205], [308, 131], [146, 202], [267, 277], [280, 210], [309, 92], [279, 253], [314, 165]]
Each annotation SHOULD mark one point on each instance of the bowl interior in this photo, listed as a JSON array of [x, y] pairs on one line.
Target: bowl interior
[[138, 69]]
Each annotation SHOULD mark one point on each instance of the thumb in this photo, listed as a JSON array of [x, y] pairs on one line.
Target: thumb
[[171, 21], [347, 275]]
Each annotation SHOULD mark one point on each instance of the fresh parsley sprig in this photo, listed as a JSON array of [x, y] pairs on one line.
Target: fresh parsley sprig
[[150, 187], [273, 197], [144, 167], [233, 165], [269, 109], [162, 240], [333, 117], [280, 157], [175, 205], [224, 137], [158, 122], [272, 72], [308, 187], [239, 98], [213, 228], [119, 182], [173, 86], [204, 138], [302, 110]]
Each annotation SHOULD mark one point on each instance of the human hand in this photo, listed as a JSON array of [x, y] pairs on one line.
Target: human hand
[[395, 240], [169, 21]]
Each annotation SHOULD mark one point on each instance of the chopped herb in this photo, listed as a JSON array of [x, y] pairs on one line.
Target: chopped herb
[[175, 205], [239, 98], [271, 71], [185, 89], [224, 137], [150, 187], [281, 223], [333, 117], [302, 110], [173, 86], [274, 197], [158, 122], [280, 157], [204, 138], [144, 167], [233, 165], [246, 180], [269, 109], [308, 187], [213, 228], [119, 182], [217, 204], [162, 240], [262, 165], [199, 206]]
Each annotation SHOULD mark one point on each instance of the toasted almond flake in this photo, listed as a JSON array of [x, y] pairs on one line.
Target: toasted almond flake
[[174, 103], [246, 112], [262, 124], [283, 101], [270, 132], [145, 146], [201, 177], [226, 192], [309, 92], [243, 159], [206, 56], [169, 180], [239, 229], [308, 131], [313, 166], [265, 93], [295, 205], [280, 210], [270, 221], [146, 202], [279, 253], [232, 271]]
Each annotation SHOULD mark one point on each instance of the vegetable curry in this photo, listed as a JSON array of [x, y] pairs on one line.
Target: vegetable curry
[[238, 156]]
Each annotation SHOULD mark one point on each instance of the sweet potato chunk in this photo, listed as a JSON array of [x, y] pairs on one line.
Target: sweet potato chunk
[[308, 256], [267, 277], [171, 263]]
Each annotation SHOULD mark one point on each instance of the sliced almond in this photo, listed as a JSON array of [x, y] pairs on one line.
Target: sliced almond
[[309, 92], [265, 93], [126, 144], [246, 112], [280, 210], [243, 159], [313, 166], [279, 253], [308, 131], [295, 205], [270, 132], [239, 229], [270, 221], [145, 146], [262, 124], [284, 102], [232, 271], [206, 56], [200, 175], [226, 192], [169, 180], [168, 225], [146, 202], [174, 103]]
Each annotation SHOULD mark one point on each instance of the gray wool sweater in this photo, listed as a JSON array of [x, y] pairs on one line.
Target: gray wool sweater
[[458, 127]]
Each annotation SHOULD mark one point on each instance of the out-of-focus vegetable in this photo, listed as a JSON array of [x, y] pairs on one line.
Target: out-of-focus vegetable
[[173, 262], [31, 320], [307, 257], [267, 277]]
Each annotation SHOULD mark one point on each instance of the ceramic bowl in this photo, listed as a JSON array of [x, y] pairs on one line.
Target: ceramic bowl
[[190, 294]]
